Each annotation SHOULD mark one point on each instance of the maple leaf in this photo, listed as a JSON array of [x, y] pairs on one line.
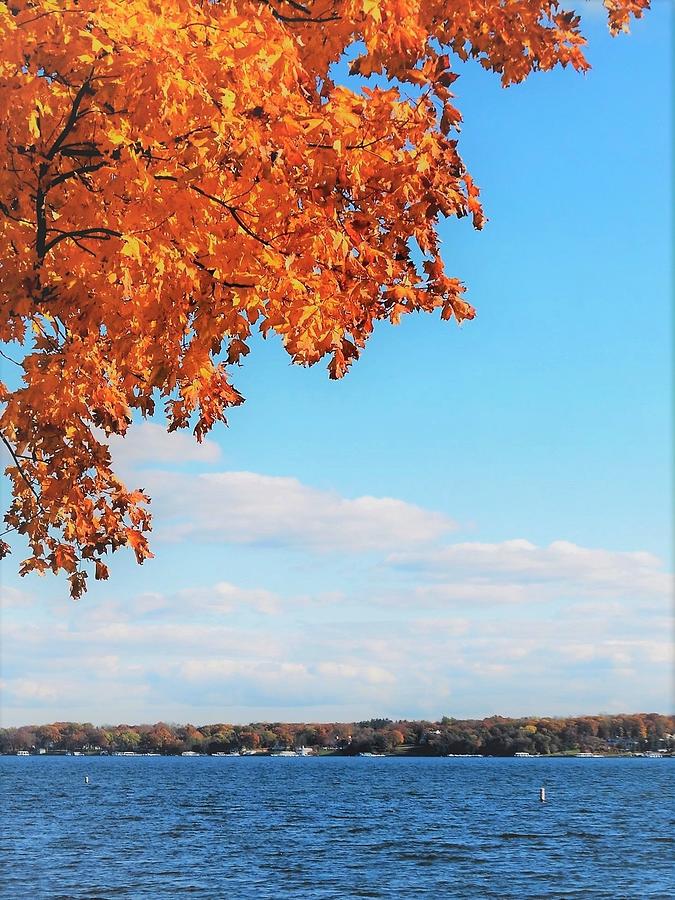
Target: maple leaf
[[139, 544]]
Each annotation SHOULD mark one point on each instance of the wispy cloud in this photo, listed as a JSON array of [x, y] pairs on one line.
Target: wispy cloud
[[11, 598], [518, 569], [226, 652], [150, 443], [25, 690], [249, 508]]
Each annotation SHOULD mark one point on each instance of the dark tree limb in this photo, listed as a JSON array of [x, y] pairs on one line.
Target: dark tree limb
[[85, 88], [101, 234]]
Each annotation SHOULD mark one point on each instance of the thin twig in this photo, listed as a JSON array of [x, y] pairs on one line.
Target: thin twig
[[9, 358], [21, 471]]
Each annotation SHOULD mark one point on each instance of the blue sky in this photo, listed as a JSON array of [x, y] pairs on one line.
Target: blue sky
[[475, 520]]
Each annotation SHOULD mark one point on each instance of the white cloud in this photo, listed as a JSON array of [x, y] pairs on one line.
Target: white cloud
[[272, 682], [251, 508], [224, 598], [619, 653], [472, 592], [350, 672], [13, 598], [147, 442], [27, 690], [248, 508], [518, 569], [445, 626], [171, 638], [219, 599]]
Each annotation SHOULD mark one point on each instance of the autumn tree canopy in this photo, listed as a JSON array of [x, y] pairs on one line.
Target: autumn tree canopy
[[176, 175]]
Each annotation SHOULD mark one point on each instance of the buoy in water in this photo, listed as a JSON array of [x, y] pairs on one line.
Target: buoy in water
[[542, 794], [86, 779]]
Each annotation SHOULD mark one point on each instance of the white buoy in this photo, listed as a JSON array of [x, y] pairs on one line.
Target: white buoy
[[86, 779], [542, 794]]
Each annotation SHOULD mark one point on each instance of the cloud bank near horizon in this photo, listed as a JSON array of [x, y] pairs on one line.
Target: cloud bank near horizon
[[235, 654], [430, 626]]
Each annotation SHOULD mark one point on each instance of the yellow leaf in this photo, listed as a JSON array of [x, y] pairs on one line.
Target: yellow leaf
[[228, 98], [34, 124], [132, 247], [116, 137], [372, 7], [96, 45]]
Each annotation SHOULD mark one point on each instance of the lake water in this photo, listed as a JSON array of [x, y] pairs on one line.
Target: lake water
[[318, 829]]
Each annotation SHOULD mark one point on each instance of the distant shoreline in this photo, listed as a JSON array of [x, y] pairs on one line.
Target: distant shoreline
[[635, 734], [337, 754]]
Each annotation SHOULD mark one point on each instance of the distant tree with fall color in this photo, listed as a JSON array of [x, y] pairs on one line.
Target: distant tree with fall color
[[177, 175], [496, 736]]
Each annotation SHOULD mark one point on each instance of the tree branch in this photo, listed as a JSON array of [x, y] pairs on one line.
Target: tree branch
[[304, 18], [86, 149], [9, 359], [74, 173], [101, 234], [240, 222], [211, 272], [85, 89], [233, 211]]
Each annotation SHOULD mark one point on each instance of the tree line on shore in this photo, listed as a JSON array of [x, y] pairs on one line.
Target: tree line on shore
[[494, 736]]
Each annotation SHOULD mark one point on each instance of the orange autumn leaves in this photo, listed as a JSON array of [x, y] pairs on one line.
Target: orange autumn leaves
[[177, 175]]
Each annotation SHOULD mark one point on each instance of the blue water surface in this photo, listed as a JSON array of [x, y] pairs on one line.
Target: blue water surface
[[324, 828]]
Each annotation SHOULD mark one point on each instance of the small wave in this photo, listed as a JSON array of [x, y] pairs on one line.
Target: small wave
[[586, 835], [423, 859], [177, 832], [376, 848], [516, 835]]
